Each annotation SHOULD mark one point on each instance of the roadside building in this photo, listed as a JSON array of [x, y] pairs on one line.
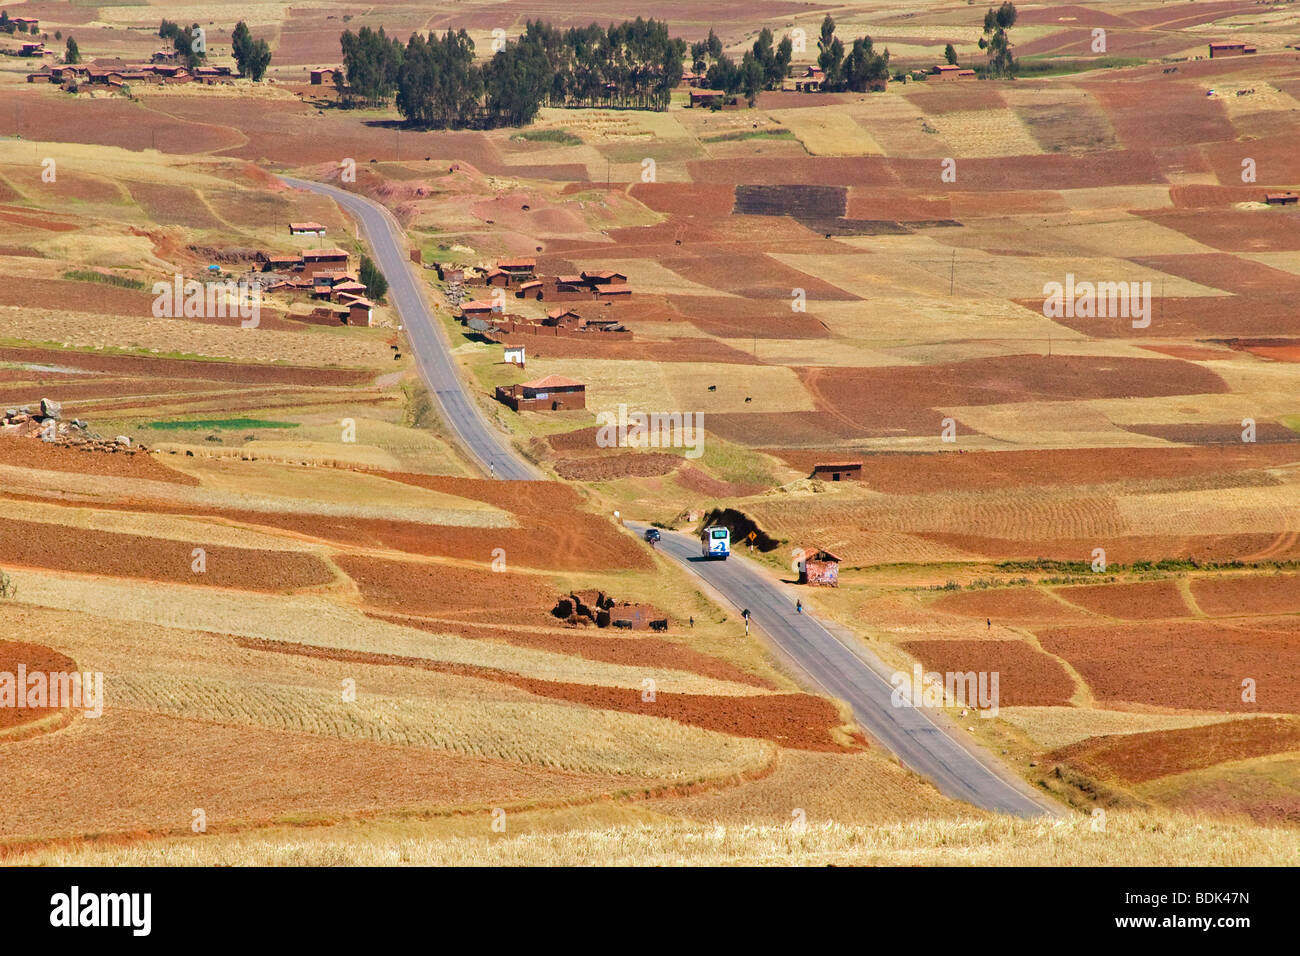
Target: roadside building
[[360, 311], [514, 355], [324, 260], [307, 229], [838, 471], [552, 393], [819, 568]]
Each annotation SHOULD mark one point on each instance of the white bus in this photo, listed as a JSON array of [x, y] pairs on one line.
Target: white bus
[[715, 542]]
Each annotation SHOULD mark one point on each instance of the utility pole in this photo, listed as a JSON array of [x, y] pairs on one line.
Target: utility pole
[[952, 276]]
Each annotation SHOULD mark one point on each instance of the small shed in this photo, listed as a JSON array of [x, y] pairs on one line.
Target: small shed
[[360, 312], [1282, 199], [306, 229], [820, 568], [514, 355], [838, 471]]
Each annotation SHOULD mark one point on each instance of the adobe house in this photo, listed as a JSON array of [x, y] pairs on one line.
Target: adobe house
[[324, 260], [707, 98], [360, 312], [838, 471], [533, 287], [570, 284], [1229, 49], [518, 270], [32, 49], [514, 355], [594, 279], [820, 568], [283, 264], [497, 277], [321, 77], [567, 318], [552, 393], [614, 290], [947, 71], [1282, 199], [30, 22], [306, 229], [479, 309]]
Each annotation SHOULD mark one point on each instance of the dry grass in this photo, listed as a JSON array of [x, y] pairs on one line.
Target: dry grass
[[1128, 840]]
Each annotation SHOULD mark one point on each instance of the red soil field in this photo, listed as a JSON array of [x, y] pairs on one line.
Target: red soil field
[[1277, 350], [1233, 230], [1045, 171], [609, 467], [764, 429], [693, 479], [1017, 605], [955, 97], [686, 199], [1193, 317], [1126, 549], [70, 391], [420, 588], [45, 456], [1026, 676], [188, 369], [1188, 665], [44, 222], [95, 297], [903, 398], [1152, 115], [987, 470], [174, 206], [1137, 601], [1229, 273], [1232, 595], [740, 318], [34, 544], [798, 721], [36, 659], [635, 651], [1192, 353], [1136, 758]]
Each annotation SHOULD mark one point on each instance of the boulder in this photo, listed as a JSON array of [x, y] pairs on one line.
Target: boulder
[[51, 409]]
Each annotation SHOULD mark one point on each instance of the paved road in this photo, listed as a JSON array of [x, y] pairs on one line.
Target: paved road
[[862, 680], [853, 675], [486, 446]]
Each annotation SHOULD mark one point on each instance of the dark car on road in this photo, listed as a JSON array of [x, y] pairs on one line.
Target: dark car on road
[[652, 535]]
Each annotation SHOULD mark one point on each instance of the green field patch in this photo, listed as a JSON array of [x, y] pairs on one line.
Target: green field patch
[[90, 275], [560, 136]]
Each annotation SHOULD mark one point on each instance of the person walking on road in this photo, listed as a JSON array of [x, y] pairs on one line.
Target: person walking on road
[[798, 606], [492, 469]]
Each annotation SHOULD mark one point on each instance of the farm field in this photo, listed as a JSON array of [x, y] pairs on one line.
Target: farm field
[[278, 553]]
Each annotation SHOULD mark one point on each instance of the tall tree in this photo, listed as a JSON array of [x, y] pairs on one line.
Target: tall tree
[[950, 54], [71, 54]]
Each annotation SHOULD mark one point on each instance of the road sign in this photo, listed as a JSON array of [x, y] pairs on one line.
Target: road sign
[[752, 536]]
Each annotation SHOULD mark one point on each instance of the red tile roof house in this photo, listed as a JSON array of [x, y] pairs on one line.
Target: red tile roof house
[[360, 312], [322, 76], [30, 22], [552, 393], [566, 318], [497, 277], [947, 71], [533, 287], [603, 278], [479, 309], [282, 264], [1281, 199], [518, 269], [306, 229], [324, 260], [614, 289], [1229, 49]]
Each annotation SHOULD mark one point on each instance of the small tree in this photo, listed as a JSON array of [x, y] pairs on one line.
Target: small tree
[[58, 34], [71, 54], [7, 587], [950, 54], [373, 279]]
